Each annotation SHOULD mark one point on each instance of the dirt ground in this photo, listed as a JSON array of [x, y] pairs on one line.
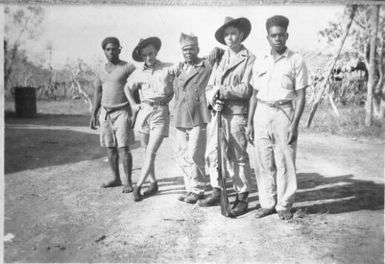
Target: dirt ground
[[56, 212]]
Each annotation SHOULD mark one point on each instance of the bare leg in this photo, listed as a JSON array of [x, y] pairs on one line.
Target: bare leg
[[113, 160], [153, 144], [126, 158]]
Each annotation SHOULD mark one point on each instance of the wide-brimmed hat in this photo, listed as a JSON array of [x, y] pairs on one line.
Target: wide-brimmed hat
[[154, 41], [242, 23]]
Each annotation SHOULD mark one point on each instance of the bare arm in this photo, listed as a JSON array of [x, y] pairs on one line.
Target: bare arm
[[250, 120], [96, 106], [299, 106]]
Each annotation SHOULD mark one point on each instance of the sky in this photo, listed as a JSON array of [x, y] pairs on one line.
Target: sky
[[77, 31]]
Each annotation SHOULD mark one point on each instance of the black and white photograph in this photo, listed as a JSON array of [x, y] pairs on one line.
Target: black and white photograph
[[151, 131]]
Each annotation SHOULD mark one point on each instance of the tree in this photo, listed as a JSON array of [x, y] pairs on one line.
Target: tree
[[364, 37], [21, 24]]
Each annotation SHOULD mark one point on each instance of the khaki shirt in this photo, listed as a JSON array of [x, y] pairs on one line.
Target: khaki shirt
[[233, 79], [155, 83], [279, 79]]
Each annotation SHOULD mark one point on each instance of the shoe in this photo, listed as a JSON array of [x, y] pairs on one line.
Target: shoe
[[212, 199], [137, 195], [192, 198], [241, 204], [285, 214], [262, 212], [183, 196], [152, 189]]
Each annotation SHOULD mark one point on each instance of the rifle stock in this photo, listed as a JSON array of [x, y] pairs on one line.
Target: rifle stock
[[224, 201]]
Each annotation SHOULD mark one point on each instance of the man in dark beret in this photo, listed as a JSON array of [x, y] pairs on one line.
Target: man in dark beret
[[116, 134], [279, 81]]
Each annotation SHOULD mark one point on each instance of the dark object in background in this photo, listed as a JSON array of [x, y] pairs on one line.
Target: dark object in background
[[25, 101]]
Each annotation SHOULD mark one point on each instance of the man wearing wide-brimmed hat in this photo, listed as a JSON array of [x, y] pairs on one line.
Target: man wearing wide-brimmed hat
[[191, 117], [116, 134], [230, 78], [154, 81], [280, 79]]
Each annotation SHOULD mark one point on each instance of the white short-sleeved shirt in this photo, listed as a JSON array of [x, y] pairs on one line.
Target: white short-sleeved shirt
[[279, 79]]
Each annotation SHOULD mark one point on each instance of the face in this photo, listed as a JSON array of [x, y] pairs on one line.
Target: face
[[190, 53], [112, 52], [233, 36], [277, 37], [148, 55]]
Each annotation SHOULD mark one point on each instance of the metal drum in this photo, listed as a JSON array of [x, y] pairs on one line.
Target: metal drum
[[25, 101]]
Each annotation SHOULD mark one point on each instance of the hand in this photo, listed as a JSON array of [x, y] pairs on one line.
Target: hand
[[94, 122], [292, 135], [218, 105], [215, 55], [135, 108], [212, 95], [250, 134]]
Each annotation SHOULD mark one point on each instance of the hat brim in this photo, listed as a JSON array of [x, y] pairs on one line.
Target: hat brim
[[242, 23], [155, 41]]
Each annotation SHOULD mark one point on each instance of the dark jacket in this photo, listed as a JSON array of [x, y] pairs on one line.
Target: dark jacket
[[190, 99]]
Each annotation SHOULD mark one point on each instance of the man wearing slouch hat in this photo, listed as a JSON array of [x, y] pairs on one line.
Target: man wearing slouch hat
[[116, 134], [230, 79], [279, 81]]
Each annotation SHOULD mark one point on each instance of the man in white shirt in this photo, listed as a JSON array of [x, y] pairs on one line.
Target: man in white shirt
[[276, 106]]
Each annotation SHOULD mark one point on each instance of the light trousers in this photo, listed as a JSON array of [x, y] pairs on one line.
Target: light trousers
[[275, 158], [236, 158], [190, 151]]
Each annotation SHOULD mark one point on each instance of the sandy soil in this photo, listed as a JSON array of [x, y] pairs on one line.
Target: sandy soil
[[56, 211]]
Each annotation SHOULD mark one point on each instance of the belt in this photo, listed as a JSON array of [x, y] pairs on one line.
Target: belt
[[150, 103], [276, 104]]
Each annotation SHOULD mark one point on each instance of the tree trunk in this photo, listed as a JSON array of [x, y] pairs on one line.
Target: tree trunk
[[372, 64], [327, 78]]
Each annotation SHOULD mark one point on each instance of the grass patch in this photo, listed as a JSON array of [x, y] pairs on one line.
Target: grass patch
[[351, 123]]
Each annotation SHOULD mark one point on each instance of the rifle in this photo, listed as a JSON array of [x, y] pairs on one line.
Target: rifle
[[221, 168]]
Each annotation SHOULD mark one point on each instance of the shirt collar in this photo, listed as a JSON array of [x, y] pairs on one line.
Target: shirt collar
[[156, 65], [285, 54]]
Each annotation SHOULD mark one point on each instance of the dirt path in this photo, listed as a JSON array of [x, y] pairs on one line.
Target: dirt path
[[57, 212]]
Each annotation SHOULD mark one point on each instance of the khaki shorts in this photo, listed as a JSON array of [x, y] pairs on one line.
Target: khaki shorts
[[153, 118], [116, 129]]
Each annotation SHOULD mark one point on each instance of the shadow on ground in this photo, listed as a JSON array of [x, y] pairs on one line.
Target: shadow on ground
[[338, 194], [48, 140]]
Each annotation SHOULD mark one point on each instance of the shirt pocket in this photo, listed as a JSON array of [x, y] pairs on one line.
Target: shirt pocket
[[287, 79]]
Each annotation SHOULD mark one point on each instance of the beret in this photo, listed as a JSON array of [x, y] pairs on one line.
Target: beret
[[110, 40]]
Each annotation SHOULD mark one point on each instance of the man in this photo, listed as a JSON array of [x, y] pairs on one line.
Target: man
[[279, 80], [230, 78], [156, 90], [191, 117], [116, 133]]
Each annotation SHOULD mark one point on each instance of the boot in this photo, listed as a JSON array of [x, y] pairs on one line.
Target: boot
[[152, 189], [137, 195], [183, 196], [212, 199], [240, 205], [193, 198]]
